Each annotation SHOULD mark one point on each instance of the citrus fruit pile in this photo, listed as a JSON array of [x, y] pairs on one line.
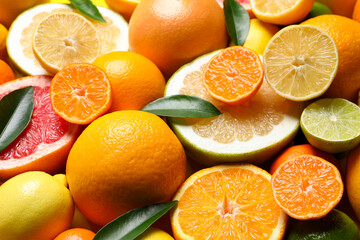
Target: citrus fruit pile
[[179, 119]]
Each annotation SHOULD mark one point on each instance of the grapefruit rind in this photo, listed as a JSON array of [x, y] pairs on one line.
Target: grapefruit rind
[[278, 232], [208, 152], [54, 154], [15, 42]]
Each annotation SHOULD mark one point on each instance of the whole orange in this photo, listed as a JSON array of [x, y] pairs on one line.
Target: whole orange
[[135, 80], [76, 234], [124, 160], [173, 32], [6, 73], [356, 12], [346, 34], [343, 7]]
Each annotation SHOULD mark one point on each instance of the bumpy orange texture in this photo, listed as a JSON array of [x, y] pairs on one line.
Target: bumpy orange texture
[[124, 160], [135, 80], [173, 32], [346, 34], [6, 73], [76, 234]]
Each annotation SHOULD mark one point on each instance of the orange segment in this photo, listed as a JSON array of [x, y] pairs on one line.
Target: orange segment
[[227, 202], [234, 75], [307, 187], [80, 93]]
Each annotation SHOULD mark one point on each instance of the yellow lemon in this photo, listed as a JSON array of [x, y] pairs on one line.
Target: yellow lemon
[[101, 3], [154, 234], [259, 35], [3, 35], [34, 206]]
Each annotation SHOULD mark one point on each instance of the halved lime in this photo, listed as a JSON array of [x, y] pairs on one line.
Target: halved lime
[[254, 132], [300, 62], [113, 35], [332, 124]]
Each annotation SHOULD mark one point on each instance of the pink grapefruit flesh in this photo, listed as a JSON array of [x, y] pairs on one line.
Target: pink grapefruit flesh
[[45, 142]]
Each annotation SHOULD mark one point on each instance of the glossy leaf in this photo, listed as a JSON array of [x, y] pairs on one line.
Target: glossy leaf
[[182, 106], [237, 21], [15, 110], [133, 223], [87, 8]]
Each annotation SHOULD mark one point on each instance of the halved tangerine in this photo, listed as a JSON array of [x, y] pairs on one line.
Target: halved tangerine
[[45, 142], [228, 202], [80, 93], [234, 75], [307, 187]]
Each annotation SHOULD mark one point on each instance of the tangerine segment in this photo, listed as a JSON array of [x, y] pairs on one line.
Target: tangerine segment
[[228, 202], [234, 75], [307, 187], [80, 93]]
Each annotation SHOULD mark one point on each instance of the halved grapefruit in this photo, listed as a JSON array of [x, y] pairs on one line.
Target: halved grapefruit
[[253, 132], [46, 141]]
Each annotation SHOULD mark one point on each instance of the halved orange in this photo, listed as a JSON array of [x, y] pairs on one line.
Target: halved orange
[[307, 187], [80, 93], [234, 75], [227, 202]]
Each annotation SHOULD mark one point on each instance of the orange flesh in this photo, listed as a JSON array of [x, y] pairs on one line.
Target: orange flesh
[[230, 204], [257, 118], [307, 187], [80, 93], [234, 75]]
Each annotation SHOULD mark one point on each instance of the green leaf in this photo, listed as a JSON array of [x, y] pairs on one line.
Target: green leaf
[[133, 223], [237, 21], [182, 106], [15, 110], [87, 8]]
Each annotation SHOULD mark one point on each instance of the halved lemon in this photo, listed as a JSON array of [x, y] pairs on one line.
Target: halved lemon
[[63, 38], [282, 12], [253, 132], [300, 62], [113, 35]]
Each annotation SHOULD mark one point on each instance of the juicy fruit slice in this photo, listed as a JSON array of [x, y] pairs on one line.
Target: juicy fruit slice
[[332, 124], [281, 12], [335, 225], [46, 142], [254, 132], [227, 202], [113, 35], [80, 93], [63, 38], [307, 187], [234, 75], [300, 62]]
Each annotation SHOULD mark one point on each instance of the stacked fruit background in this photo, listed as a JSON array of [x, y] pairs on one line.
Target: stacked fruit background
[[179, 119]]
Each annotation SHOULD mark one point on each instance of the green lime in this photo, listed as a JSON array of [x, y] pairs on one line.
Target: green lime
[[332, 124], [319, 9], [336, 225]]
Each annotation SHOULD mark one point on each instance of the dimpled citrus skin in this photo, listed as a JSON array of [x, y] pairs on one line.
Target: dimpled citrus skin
[[34, 206], [346, 34], [173, 32], [135, 80], [124, 160]]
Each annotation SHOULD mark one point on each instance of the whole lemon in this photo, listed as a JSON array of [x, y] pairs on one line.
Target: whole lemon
[[154, 234], [34, 206], [173, 32], [124, 160], [10, 9]]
